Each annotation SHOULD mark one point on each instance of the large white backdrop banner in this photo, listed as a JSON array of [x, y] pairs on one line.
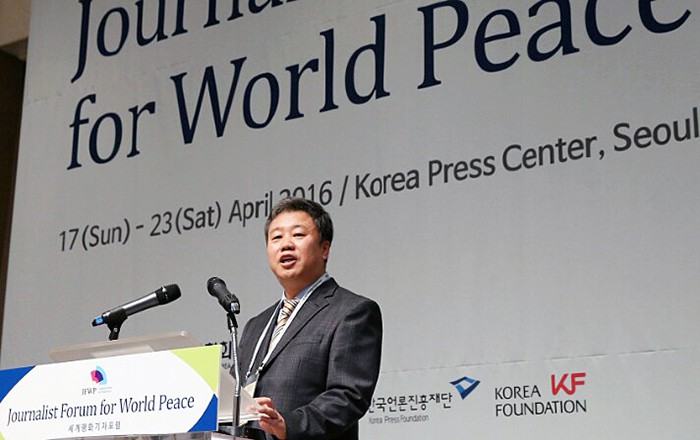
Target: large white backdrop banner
[[515, 182]]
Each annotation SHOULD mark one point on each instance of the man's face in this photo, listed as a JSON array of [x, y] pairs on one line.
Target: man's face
[[294, 251]]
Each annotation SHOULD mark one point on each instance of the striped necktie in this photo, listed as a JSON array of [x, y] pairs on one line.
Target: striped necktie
[[285, 313]]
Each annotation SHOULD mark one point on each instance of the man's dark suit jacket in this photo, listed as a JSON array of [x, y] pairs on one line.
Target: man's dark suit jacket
[[322, 373]]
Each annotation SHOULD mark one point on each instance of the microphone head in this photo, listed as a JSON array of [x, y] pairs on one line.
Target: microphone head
[[217, 288], [168, 293], [213, 281]]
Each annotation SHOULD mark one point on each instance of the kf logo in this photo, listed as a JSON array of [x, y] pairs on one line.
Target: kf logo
[[576, 379]]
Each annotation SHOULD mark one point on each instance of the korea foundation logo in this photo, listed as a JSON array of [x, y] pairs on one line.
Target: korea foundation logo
[[562, 396]]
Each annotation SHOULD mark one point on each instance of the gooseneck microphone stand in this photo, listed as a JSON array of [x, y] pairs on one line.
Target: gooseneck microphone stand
[[238, 431], [235, 370]]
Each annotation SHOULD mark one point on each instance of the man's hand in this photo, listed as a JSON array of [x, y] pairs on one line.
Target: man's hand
[[271, 421]]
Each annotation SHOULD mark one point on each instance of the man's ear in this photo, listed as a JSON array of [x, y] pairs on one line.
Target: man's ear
[[326, 250]]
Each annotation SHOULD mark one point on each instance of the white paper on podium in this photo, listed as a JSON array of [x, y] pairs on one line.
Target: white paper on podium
[[165, 341], [249, 407]]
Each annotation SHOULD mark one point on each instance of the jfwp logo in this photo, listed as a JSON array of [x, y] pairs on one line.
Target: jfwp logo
[[465, 386], [568, 382], [99, 376]]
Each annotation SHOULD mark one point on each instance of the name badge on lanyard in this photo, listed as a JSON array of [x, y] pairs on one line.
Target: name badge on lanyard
[[251, 383]]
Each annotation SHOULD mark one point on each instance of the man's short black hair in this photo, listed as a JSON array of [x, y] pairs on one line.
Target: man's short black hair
[[321, 218]]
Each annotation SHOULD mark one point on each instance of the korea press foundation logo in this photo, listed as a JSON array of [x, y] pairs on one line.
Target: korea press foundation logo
[[418, 405], [465, 386]]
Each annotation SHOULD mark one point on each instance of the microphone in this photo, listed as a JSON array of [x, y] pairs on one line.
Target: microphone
[[163, 295], [217, 288]]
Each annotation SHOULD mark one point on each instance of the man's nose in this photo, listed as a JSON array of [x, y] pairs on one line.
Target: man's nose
[[287, 243]]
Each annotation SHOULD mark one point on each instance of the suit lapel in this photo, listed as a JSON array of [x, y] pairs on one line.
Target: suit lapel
[[318, 300]]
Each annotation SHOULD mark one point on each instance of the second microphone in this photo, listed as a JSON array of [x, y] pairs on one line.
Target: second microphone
[[217, 289]]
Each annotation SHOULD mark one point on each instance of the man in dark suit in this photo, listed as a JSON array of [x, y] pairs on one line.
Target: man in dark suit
[[312, 362]]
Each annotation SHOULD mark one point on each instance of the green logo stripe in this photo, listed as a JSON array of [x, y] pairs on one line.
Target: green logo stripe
[[204, 360]]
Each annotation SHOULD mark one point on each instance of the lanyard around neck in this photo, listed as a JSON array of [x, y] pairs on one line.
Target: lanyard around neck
[[325, 277]]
